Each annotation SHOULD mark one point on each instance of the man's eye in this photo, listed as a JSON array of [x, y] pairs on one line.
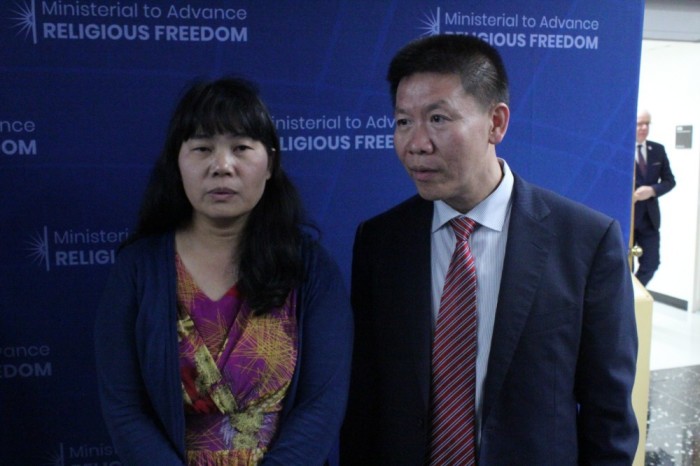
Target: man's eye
[[401, 122], [437, 118]]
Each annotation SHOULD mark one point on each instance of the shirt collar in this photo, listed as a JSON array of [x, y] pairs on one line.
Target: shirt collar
[[490, 213]]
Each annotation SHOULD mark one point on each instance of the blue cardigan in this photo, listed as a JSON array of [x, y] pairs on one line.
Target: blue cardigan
[[138, 360]]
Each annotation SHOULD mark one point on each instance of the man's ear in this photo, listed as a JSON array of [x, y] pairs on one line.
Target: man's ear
[[500, 116]]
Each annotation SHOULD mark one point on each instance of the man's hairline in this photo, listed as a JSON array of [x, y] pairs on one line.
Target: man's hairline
[[485, 105]]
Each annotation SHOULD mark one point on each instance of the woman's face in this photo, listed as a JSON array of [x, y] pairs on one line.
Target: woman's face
[[223, 176]]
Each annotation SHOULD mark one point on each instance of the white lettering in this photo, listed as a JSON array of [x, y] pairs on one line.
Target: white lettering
[[81, 257], [302, 143], [563, 41], [37, 369], [374, 141], [18, 147], [191, 12], [172, 33], [17, 126], [24, 351], [382, 122]]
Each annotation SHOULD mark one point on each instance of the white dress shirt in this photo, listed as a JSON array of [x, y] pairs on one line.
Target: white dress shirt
[[488, 245]]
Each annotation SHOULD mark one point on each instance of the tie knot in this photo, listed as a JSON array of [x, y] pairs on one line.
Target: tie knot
[[463, 227]]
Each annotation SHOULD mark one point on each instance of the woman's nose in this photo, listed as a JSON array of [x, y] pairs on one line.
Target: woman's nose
[[222, 163]]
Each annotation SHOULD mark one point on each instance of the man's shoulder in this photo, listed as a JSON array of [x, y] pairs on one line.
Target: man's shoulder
[[411, 208], [540, 201], [655, 145]]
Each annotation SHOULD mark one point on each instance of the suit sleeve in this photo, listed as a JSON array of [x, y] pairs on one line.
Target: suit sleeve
[[137, 436], [608, 431], [666, 181], [357, 432], [310, 429]]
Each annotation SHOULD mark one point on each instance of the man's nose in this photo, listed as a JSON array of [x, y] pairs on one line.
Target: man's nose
[[420, 142]]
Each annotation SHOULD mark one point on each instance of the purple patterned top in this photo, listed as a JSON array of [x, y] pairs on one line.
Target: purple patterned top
[[235, 369]]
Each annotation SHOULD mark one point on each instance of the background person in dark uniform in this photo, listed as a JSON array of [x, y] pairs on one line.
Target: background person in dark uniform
[[653, 179]]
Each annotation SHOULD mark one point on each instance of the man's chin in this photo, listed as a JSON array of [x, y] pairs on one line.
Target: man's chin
[[427, 194]]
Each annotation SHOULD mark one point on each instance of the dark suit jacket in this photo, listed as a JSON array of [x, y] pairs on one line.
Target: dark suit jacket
[[564, 346], [660, 177]]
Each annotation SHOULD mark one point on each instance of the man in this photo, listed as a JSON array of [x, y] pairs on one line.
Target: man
[[556, 350], [653, 178]]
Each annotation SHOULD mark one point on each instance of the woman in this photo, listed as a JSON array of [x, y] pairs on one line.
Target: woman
[[224, 333]]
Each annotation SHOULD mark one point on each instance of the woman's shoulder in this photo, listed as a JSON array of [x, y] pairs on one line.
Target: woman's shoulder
[[145, 248], [323, 290], [317, 259], [311, 246]]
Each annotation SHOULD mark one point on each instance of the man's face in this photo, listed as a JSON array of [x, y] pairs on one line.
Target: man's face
[[444, 138], [643, 122]]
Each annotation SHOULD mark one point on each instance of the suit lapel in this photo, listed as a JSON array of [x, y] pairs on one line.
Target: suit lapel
[[418, 296], [651, 153], [403, 287], [652, 174], [525, 261]]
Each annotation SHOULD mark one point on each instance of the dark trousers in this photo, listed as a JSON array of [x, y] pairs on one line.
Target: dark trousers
[[647, 237]]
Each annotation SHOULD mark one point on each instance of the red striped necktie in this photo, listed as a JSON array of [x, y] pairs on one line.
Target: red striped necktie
[[641, 162], [453, 433]]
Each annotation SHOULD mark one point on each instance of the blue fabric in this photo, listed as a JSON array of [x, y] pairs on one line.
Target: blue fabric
[[138, 360]]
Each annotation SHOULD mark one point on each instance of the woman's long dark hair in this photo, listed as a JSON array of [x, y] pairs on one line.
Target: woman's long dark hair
[[270, 263]]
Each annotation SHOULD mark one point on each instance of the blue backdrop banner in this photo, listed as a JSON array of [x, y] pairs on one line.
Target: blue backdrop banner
[[87, 89]]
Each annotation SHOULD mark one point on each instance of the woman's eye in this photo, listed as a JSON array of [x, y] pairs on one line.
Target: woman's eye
[[401, 121]]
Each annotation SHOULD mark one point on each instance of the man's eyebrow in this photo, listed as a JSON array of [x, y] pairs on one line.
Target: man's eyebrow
[[435, 105]]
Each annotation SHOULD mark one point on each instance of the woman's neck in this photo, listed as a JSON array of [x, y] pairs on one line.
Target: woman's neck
[[210, 255]]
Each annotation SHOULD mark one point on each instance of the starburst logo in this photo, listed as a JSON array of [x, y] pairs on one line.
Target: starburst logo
[[56, 458], [431, 23], [39, 249], [25, 19]]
